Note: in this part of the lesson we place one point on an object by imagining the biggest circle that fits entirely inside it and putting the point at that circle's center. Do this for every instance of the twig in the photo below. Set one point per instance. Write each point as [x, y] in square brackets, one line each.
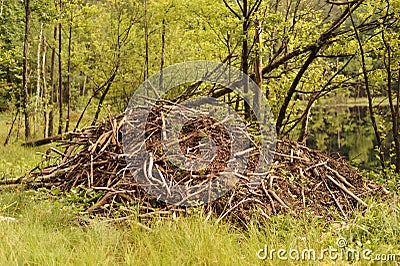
[278, 198]
[334, 198]
[289, 156]
[100, 203]
[269, 197]
[344, 180]
[340, 185]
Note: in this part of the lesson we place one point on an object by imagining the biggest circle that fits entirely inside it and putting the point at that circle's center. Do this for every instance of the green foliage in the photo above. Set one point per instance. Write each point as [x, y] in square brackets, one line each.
[80, 197]
[108, 36]
[11, 38]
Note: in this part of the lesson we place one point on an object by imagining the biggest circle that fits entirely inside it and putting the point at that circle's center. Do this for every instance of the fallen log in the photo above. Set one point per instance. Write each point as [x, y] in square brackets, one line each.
[44, 141]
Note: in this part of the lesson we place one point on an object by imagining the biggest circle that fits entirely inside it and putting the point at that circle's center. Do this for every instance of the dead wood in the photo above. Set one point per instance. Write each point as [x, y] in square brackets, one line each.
[95, 159]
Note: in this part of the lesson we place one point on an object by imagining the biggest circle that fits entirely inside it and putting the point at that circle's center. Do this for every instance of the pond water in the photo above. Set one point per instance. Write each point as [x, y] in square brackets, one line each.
[344, 130]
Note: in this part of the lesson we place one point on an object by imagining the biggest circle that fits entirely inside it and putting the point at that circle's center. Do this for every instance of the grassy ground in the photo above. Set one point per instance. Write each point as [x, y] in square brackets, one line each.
[49, 230]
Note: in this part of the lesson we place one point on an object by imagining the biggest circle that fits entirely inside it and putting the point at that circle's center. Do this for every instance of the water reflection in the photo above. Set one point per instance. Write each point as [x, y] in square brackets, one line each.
[346, 130]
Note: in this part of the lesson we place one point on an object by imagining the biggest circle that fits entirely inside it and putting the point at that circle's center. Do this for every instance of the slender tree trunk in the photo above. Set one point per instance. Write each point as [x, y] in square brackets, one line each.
[45, 93]
[60, 87]
[103, 96]
[87, 105]
[25, 69]
[146, 39]
[397, 115]
[257, 69]
[69, 77]
[369, 96]
[11, 128]
[161, 83]
[38, 73]
[19, 125]
[247, 10]
[292, 89]
[245, 56]
[83, 90]
[53, 92]
[304, 127]
[1, 8]
[393, 109]
[237, 104]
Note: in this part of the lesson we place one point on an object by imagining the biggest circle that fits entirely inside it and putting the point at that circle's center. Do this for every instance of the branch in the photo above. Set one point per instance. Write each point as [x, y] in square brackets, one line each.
[318, 95]
[240, 5]
[288, 98]
[254, 8]
[233, 11]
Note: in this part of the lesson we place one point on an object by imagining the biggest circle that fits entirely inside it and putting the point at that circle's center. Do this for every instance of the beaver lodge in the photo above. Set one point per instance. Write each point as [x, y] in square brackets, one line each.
[300, 180]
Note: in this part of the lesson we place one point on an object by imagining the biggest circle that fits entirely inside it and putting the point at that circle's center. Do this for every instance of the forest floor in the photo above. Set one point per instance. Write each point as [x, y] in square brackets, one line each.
[49, 228]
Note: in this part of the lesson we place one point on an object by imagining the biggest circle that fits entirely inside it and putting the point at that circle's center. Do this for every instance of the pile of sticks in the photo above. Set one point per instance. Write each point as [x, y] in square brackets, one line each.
[300, 180]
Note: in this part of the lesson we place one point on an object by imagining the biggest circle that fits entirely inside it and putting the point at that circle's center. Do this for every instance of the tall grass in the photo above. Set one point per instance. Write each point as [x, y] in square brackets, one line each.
[49, 232]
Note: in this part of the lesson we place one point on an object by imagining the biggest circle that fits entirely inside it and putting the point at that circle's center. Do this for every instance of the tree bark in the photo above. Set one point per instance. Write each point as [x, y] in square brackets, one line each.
[292, 89]
[245, 57]
[394, 110]
[83, 90]
[60, 87]
[38, 74]
[146, 39]
[304, 127]
[11, 128]
[69, 77]
[44, 141]
[25, 69]
[1, 8]
[45, 96]
[103, 96]
[161, 82]
[257, 69]
[53, 92]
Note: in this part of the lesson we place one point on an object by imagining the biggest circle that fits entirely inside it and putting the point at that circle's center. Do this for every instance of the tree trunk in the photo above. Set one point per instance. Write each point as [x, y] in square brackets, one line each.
[60, 88]
[11, 128]
[245, 57]
[292, 89]
[45, 96]
[1, 8]
[103, 96]
[304, 127]
[83, 90]
[397, 115]
[69, 77]
[161, 83]
[53, 92]
[146, 38]
[25, 69]
[369, 96]
[38, 73]
[257, 69]
[394, 109]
